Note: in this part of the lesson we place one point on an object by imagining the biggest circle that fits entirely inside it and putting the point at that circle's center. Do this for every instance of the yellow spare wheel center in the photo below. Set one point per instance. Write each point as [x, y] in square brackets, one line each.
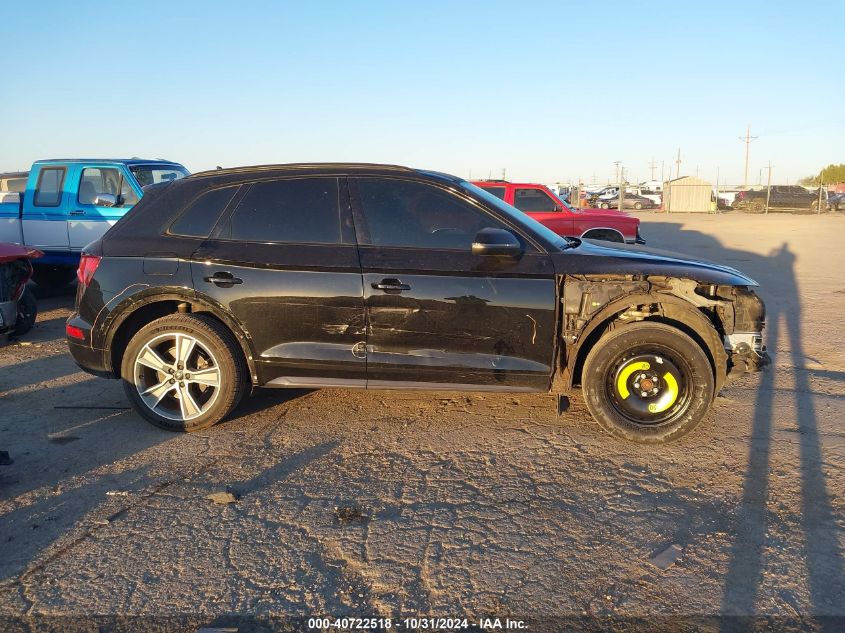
[622, 380]
[669, 396]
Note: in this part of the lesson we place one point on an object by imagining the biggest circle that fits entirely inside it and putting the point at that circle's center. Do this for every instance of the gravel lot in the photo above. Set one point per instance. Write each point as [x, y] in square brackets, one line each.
[398, 504]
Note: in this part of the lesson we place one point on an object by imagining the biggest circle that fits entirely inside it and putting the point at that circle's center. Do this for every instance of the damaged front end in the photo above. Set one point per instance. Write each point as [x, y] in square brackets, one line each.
[743, 331]
[726, 320]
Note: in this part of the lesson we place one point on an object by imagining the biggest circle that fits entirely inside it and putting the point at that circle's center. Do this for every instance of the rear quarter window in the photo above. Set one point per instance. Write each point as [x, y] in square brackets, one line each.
[48, 191]
[200, 216]
[294, 211]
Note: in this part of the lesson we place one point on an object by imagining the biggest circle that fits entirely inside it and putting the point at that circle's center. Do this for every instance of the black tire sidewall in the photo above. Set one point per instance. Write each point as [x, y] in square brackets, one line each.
[608, 349]
[27, 312]
[221, 345]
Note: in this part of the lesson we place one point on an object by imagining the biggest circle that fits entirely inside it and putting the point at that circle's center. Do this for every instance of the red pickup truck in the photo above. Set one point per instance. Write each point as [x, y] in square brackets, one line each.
[540, 203]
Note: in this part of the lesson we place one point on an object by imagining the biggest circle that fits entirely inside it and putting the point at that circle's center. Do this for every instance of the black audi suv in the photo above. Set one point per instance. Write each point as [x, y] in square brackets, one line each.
[385, 277]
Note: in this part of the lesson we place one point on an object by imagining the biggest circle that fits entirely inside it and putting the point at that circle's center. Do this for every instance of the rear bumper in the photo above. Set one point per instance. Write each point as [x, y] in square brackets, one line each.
[88, 357]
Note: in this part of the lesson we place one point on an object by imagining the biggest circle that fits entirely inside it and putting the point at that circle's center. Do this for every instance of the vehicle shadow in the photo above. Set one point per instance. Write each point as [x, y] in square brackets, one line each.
[821, 549]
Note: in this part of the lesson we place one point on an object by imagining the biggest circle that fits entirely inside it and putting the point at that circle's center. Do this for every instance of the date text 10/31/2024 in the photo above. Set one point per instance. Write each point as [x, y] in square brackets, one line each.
[416, 623]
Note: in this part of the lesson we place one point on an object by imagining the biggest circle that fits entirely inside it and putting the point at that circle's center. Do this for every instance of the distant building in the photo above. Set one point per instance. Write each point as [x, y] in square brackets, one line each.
[687, 194]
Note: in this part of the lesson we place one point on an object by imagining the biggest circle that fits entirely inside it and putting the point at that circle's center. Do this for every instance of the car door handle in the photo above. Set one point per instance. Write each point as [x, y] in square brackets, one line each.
[223, 279]
[390, 285]
[77, 212]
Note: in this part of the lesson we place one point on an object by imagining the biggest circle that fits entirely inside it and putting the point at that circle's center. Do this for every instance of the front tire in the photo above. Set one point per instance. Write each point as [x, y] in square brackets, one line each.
[648, 382]
[638, 205]
[184, 372]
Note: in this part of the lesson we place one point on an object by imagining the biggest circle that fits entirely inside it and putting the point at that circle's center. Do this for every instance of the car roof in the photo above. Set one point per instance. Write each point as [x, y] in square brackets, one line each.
[126, 161]
[339, 169]
[507, 183]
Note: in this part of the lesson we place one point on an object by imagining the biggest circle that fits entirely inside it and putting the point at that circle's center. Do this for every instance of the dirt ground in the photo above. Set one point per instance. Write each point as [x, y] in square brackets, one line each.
[392, 504]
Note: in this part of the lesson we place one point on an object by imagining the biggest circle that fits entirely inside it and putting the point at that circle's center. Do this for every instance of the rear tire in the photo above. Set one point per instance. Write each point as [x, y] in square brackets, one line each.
[157, 376]
[27, 312]
[648, 382]
[638, 205]
[757, 207]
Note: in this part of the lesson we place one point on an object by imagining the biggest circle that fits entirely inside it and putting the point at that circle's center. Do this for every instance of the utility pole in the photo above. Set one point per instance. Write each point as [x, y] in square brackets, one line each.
[503, 174]
[617, 163]
[747, 139]
[662, 172]
[769, 188]
[717, 190]
[819, 205]
[678, 163]
[652, 165]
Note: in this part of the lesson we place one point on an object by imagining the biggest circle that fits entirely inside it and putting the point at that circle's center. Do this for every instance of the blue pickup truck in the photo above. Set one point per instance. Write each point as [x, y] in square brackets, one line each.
[69, 203]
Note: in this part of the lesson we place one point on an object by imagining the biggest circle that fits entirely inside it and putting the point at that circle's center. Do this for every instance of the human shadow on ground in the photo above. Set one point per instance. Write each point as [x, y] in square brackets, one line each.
[822, 553]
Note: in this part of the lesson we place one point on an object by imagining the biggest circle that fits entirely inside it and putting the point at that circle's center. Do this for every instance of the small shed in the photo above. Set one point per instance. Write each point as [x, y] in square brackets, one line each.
[687, 194]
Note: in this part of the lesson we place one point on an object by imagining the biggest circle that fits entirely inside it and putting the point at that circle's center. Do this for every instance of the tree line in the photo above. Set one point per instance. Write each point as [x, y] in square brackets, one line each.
[830, 175]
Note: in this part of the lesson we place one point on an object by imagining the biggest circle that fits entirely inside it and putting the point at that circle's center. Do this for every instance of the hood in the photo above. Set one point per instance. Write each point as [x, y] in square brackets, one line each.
[593, 257]
[10, 252]
[616, 214]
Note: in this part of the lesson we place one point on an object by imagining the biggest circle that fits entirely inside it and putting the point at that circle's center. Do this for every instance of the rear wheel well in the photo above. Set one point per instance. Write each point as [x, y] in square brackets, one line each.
[615, 321]
[150, 312]
[609, 235]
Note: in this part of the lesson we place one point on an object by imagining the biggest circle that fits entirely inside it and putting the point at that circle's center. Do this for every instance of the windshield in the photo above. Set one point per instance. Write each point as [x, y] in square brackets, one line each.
[517, 216]
[153, 174]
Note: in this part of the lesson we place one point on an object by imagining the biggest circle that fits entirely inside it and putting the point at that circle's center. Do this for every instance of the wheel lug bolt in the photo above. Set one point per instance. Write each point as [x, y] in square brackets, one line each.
[172, 382]
[187, 376]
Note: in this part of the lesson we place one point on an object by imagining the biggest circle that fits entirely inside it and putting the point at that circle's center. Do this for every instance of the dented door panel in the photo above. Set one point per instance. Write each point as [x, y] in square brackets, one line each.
[459, 320]
[302, 305]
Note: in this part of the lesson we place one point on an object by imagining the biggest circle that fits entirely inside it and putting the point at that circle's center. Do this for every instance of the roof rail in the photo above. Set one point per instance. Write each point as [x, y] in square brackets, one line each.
[293, 166]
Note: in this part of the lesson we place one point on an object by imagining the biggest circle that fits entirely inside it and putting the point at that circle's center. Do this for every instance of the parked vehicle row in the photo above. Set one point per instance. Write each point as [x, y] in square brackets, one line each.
[779, 197]
[68, 203]
[384, 277]
[630, 201]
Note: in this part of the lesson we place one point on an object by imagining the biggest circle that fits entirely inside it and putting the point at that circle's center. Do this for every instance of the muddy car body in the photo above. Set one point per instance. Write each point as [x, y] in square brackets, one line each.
[382, 277]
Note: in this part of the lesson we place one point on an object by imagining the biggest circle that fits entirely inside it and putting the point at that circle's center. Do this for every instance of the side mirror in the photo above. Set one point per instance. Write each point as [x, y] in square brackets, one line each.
[105, 200]
[497, 242]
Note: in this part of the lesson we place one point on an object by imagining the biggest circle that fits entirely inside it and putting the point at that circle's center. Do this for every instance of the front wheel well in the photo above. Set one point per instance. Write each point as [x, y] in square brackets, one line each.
[152, 311]
[609, 235]
[615, 321]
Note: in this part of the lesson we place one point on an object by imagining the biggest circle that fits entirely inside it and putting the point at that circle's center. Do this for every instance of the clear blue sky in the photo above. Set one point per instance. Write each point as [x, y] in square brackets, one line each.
[547, 90]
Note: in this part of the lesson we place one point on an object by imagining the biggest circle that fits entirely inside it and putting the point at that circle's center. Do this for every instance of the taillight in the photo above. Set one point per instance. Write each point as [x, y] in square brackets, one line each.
[87, 267]
[74, 332]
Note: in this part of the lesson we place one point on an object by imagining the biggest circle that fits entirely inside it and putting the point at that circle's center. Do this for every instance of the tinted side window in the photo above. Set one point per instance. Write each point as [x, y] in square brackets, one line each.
[199, 217]
[499, 192]
[412, 214]
[299, 211]
[533, 200]
[48, 192]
